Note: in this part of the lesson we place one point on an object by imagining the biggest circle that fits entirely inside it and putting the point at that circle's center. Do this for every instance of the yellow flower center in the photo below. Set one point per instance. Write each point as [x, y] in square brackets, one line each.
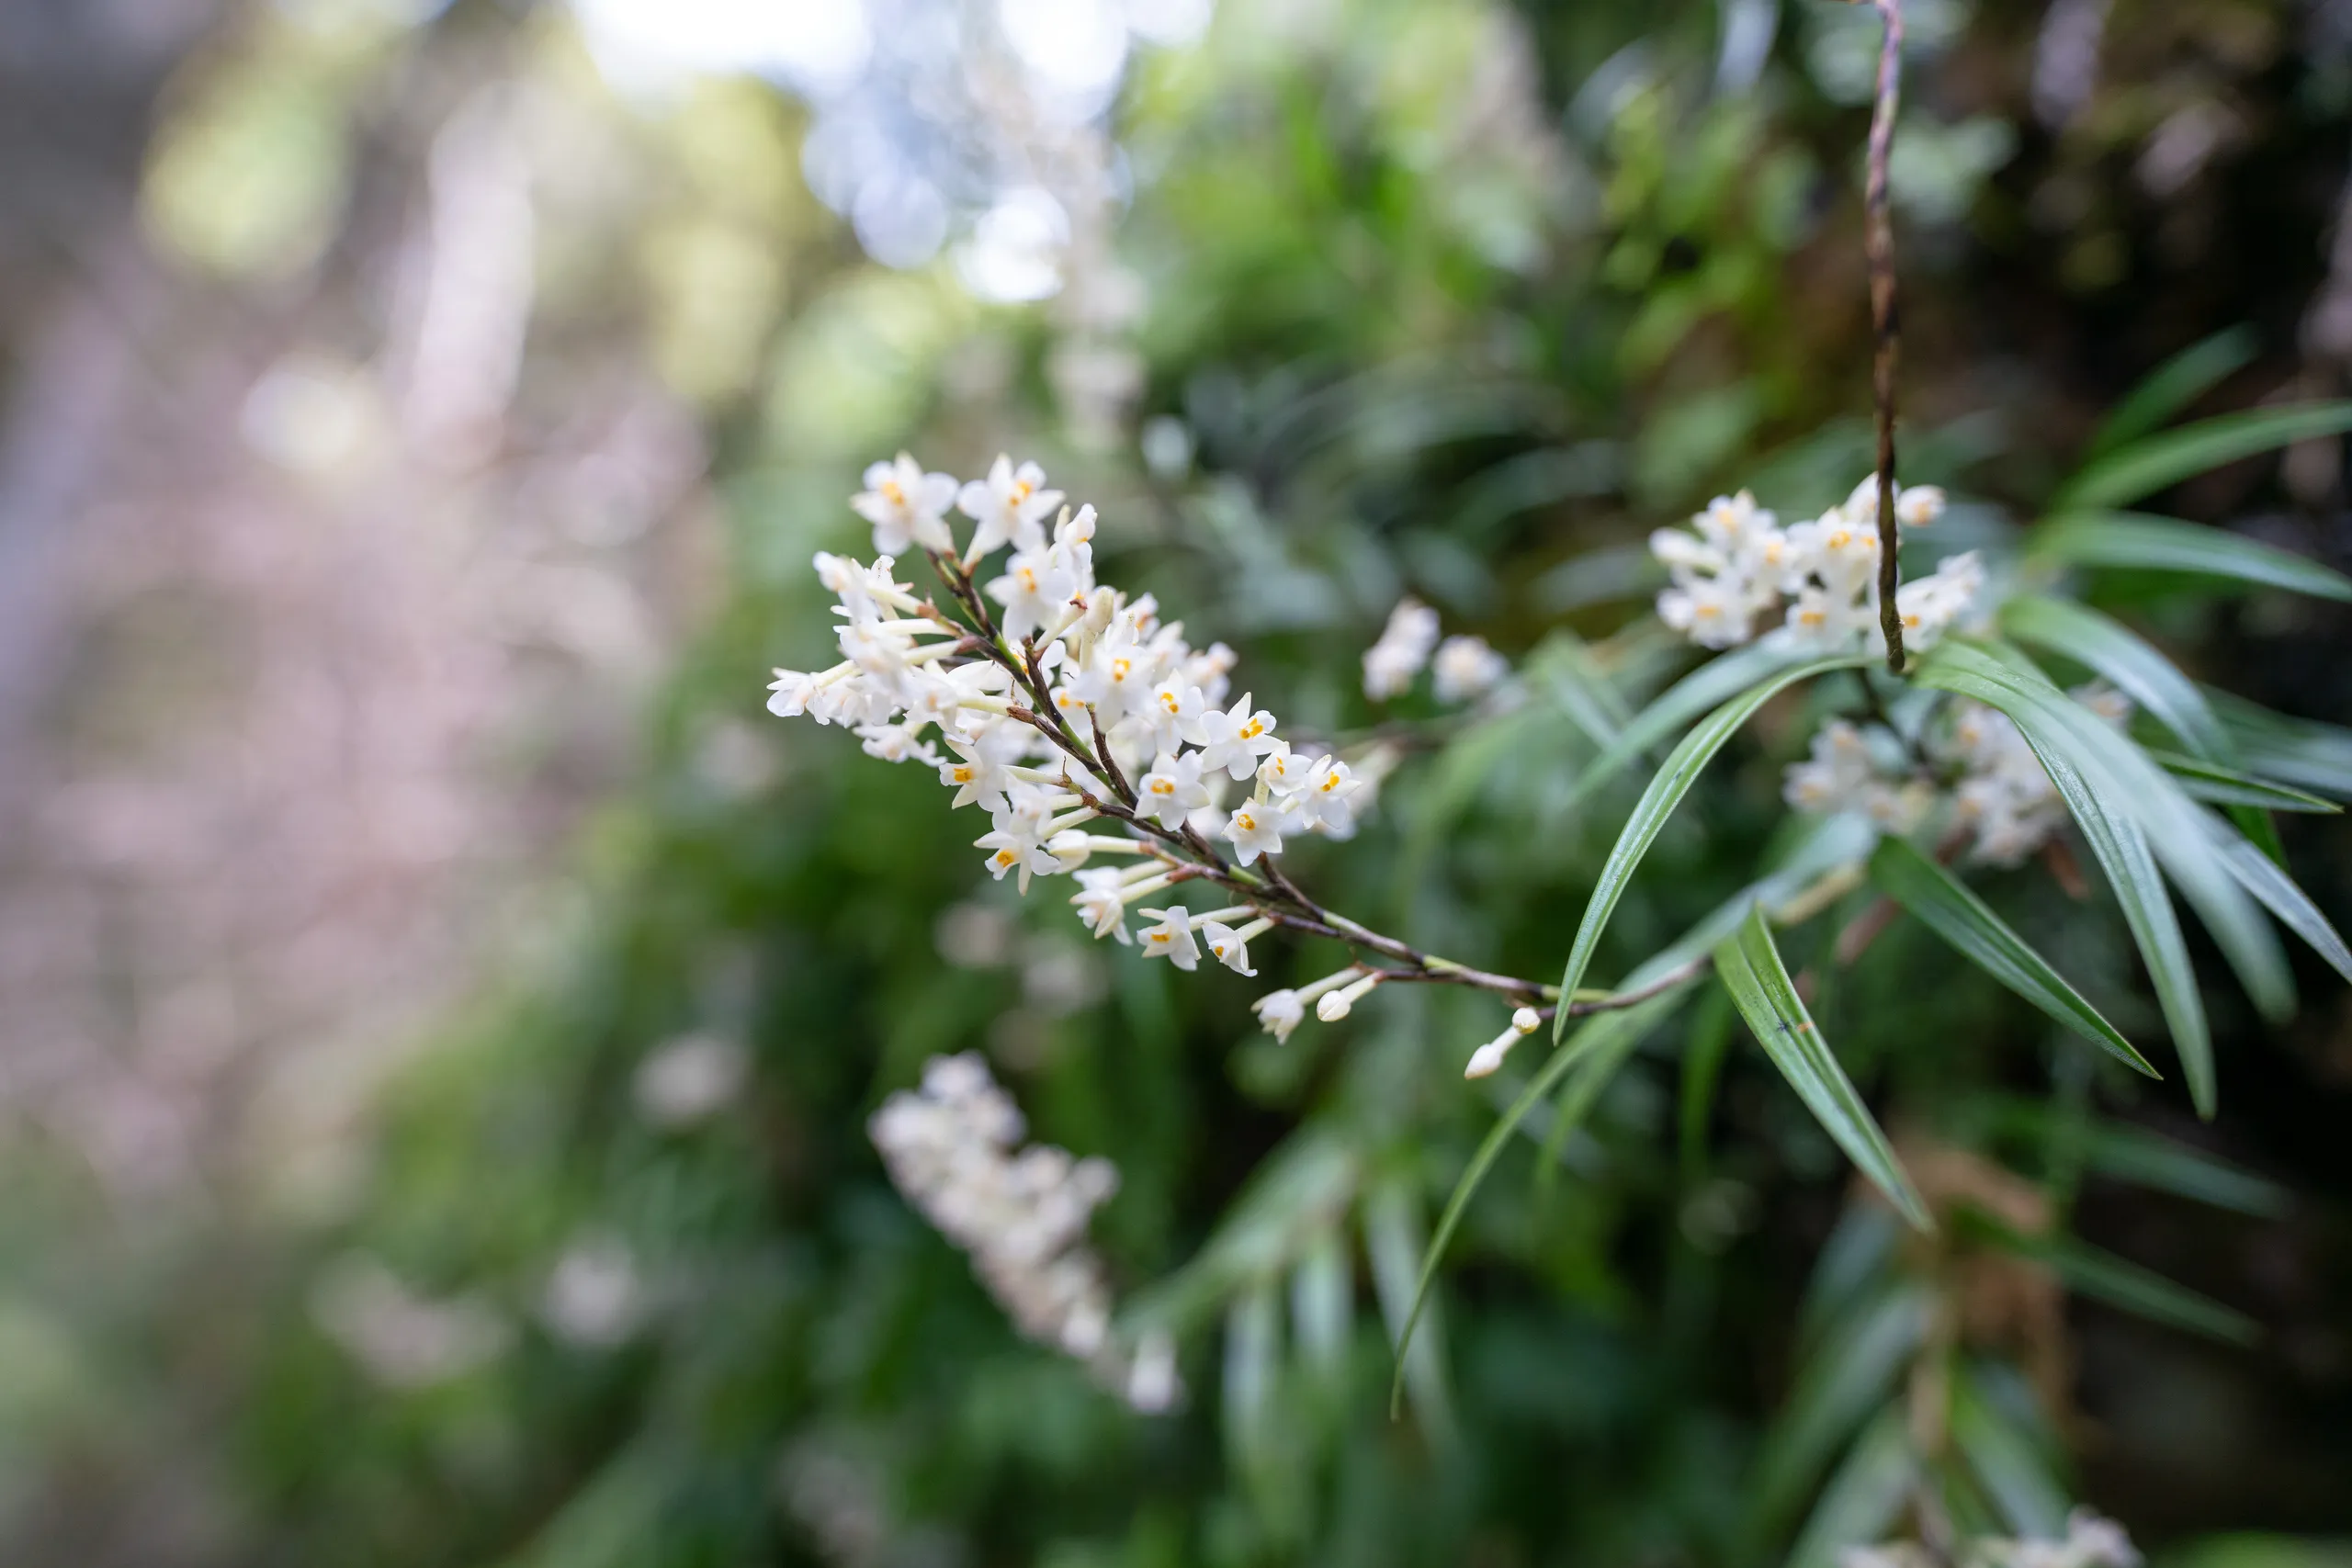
[892, 493]
[962, 775]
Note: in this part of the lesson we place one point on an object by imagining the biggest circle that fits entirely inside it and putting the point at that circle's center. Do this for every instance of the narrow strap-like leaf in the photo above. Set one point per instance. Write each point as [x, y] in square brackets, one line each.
[1667, 788]
[1944, 905]
[2278, 892]
[1863, 1497]
[2115, 839]
[2300, 751]
[2166, 544]
[1750, 965]
[1840, 1384]
[2172, 387]
[2211, 782]
[2157, 462]
[2109, 648]
[2015, 1470]
[1712, 683]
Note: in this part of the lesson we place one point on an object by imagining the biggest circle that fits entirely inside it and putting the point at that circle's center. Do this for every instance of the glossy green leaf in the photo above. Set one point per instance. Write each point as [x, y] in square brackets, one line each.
[2175, 827]
[2172, 387]
[2126, 1153]
[2158, 462]
[1749, 966]
[1393, 1241]
[2278, 893]
[1945, 905]
[2201, 780]
[1671, 783]
[1598, 1034]
[1715, 681]
[2300, 751]
[2166, 544]
[2131, 665]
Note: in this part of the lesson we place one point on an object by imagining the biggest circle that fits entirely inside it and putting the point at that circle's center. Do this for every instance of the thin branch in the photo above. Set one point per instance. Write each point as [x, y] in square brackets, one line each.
[1885, 331]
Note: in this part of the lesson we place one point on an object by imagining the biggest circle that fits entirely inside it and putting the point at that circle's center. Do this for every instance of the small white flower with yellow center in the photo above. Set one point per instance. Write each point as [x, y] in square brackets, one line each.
[1034, 591]
[906, 506]
[1173, 788]
[1255, 829]
[1235, 740]
[790, 692]
[1918, 506]
[1323, 796]
[1010, 505]
[1231, 946]
[1172, 715]
[1173, 938]
[1712, 612]
[975, 775]
[1284, 773]
[1490, 1056]
[1390, 664]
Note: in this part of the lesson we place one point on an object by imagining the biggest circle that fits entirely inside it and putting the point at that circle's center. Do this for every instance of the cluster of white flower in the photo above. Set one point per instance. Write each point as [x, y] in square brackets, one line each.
[952, 1147]
[1998, 793]
[1740, 567]
[1465, 667]
[1113, 668]
[2091, 1541]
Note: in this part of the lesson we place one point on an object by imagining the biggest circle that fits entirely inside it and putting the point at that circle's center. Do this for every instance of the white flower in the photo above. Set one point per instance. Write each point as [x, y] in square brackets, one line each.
[1254, 829]
[906, 506]
[1034, 591]
[689, 1079]
[1233, 741]
[1833, 778]
[1173, 938]
[791, 690]
[1103, 902]
[1390, 664]
[1467, 668]
[1918, 506]
[1323, 796]
[1173, 788]
[1010, 505]
[975, 775]
[1282, 773]
[1172, 715]
[1825, 623]
[1231, 947]
[1490, 1056]
[1928, 605]
[1713, 612]
[1280, 1012]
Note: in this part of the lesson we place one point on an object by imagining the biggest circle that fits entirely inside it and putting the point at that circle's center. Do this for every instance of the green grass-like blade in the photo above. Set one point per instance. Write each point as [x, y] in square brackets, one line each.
[1750, 965]
[1599, 1033]
[1944, 905]
[2014, 1469]
[2107, 647]
[2175, 827]
[2278, 892]
[1842, 1382]
[1715, 681]
[1863, 1498]
[2166, 544]
[1667, 788]
[2201, 780]
[2157, 462]
[2172, 387]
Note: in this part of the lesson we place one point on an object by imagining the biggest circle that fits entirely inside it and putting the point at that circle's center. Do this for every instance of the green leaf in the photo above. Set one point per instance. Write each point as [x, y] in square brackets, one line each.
[2107, 647]
[2175, 827]
[1946, 905]
[1715, 681]
[1863, 1499]
[2278, 892]
[1392, 1235]
[1672, 781]
[2211, 782]
[2299, 751]
[2158, 462]
[1599, 1033]
[2172, 387]
[1703, 1059]
[1297, 1194]
[2135, 1155]
[1850, 1376]
[2103, 1277]
[1750, 965]
[1583, 1088]
[2015, 1469]
[1563, 670]
[2166, 544]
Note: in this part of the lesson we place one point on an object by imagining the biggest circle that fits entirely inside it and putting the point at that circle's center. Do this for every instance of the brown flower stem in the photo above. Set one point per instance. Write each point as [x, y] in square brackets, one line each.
[1886, 330]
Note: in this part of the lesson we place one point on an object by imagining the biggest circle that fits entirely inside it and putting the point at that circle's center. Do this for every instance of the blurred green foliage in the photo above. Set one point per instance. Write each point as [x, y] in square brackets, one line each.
[1441, 296]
